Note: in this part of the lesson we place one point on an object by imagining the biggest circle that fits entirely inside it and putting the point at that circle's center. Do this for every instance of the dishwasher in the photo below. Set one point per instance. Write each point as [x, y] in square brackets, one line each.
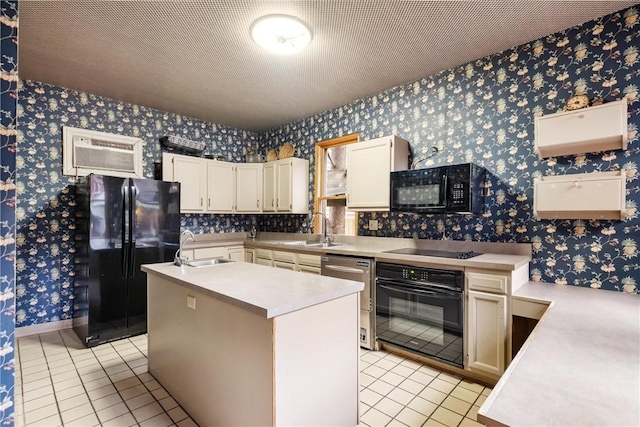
[360, 270]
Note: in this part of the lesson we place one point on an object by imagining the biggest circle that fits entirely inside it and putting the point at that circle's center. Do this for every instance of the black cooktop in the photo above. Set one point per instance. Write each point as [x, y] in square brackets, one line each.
[435, 253]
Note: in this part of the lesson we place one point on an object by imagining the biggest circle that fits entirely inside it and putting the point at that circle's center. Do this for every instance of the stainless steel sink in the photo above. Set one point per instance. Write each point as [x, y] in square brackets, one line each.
[311, 244]
[207, 262]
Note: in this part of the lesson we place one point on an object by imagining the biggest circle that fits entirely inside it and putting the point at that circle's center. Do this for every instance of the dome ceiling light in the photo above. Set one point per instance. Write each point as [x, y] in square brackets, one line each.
[280, 34]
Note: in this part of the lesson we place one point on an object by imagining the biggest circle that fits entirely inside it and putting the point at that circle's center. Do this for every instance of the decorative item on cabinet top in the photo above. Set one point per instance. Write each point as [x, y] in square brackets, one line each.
[182, 144]
[598, 128]
[286, 150]
[597, 195]
[272, 156]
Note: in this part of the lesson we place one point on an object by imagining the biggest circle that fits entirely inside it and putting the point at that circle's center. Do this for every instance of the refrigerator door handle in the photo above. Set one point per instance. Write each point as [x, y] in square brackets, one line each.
[132, 224]
[123, 231]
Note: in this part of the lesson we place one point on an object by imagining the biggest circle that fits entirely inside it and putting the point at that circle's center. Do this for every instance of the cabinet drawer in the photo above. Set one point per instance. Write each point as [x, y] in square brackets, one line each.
[210, 252]
[262, 261]
[592, 129]
[310, 260]
[528, 309]
[284, 265]
[487, 282]
[599, 195]
[309, 269]
[263, 253]
[284, 256]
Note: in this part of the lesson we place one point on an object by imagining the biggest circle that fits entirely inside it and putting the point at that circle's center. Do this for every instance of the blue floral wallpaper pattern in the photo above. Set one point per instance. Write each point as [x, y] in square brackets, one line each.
[481, 112]
[45, 208]
[484, 112]
[8, 102]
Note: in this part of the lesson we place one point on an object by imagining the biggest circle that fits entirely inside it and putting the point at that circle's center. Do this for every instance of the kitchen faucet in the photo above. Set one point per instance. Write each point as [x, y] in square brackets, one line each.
[178, 259]
[326, 237]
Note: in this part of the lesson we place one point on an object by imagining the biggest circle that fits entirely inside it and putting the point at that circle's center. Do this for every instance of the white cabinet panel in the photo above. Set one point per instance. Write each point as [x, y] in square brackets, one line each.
[487, 282]
[487, 333]
[369, 164]
[599, 195]
[189, 172]
[249, 188]
[236, 253]
[221, 186]
[598, 128]
[286, 186]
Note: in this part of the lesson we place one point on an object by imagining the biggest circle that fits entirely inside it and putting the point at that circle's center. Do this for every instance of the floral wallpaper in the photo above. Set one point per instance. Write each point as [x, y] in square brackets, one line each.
[484, 112]
[45, 208]
[8, 92]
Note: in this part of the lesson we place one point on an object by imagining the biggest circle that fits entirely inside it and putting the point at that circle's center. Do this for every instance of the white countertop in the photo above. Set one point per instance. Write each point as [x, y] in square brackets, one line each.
[579, 367]
[265, 291]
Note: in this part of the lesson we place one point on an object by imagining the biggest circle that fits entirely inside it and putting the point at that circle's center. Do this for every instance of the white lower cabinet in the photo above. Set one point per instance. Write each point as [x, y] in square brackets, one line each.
[487, 333]
[288, 260]
[236, 253]
[250, 255]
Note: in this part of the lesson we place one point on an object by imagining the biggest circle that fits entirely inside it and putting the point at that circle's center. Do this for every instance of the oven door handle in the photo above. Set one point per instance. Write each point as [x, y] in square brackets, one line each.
[420, 292]
[440, 288]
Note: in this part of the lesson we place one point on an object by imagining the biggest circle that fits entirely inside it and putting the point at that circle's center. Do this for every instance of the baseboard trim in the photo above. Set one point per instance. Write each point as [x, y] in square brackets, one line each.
[42, 328]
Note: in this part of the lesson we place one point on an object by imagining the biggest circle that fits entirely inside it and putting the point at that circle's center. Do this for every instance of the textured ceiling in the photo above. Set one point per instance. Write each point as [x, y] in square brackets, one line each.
[196, 58]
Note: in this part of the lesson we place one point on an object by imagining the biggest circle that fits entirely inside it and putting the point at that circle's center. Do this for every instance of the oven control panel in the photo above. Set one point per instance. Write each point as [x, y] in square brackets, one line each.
[449, 278]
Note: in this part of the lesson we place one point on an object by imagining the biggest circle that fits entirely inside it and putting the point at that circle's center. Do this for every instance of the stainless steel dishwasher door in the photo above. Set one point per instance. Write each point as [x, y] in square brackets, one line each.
[360, 270]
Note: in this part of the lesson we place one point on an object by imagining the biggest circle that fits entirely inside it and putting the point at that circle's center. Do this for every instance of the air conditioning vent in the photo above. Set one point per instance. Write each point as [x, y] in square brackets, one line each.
[88, 152]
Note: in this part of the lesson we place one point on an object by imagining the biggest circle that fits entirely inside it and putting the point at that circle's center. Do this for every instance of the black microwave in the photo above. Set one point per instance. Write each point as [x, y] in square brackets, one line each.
[445, 189]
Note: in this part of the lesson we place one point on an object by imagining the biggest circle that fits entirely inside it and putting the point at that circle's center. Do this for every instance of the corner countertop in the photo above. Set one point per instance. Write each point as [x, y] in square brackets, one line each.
[579, 367]
[265, 291]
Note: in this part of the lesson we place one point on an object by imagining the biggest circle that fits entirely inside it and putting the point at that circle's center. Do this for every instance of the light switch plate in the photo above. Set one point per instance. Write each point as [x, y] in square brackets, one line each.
[191, 302]
[373, 224]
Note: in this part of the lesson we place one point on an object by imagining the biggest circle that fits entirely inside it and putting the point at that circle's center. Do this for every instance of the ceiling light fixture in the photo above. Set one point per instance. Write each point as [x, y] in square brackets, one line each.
[281, 34]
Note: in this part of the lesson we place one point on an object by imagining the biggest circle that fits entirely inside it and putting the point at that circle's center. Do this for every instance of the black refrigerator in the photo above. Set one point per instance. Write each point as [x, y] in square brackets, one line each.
[121, 223]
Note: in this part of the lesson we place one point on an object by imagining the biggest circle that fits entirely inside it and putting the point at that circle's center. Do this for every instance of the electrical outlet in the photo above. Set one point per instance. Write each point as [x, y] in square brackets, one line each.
[191, 302]
[373, 224]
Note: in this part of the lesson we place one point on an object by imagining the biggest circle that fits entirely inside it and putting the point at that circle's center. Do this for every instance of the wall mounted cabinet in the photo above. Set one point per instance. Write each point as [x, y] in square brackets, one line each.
[599, 128]
[370, 164]
[286, 186]
[599, 195]
[212, 186]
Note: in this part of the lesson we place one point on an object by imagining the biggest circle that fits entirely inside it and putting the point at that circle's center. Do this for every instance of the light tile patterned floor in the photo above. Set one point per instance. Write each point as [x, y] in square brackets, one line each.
[59, 382]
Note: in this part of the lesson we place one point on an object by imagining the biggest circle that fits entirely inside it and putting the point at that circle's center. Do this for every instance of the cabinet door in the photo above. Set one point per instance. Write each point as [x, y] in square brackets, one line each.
[269, 193]
[284, 265]
[308, 269]
[369, 165]
[190, 172]
[487, 332]
[221, 187]
[249, 255]
[249, 187]
[283, 186]
[263, 261]
[236, 254]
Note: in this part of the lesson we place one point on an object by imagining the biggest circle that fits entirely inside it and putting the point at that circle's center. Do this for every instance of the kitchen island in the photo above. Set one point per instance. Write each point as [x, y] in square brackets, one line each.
[244, 344]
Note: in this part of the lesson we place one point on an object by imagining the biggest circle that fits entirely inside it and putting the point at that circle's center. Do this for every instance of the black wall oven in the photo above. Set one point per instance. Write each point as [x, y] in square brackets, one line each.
[421, 310]
[444, 189]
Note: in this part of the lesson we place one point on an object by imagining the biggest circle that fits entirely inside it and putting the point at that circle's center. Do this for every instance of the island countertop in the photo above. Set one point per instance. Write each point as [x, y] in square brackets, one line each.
[265, 291]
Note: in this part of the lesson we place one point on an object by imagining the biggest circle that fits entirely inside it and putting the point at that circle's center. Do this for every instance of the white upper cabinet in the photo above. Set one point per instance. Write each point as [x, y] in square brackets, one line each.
[249, 187]
[189, 172]
[369, 164]
[598, 195]
[599, 128]
[221, 187]
[286, 186]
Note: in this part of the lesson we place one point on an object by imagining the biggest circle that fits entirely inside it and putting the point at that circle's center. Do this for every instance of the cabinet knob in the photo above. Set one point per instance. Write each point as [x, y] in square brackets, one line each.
[277, 203]
[209, 202]
[200, 201]
[257, 203]
[581, 116]
[576, 184]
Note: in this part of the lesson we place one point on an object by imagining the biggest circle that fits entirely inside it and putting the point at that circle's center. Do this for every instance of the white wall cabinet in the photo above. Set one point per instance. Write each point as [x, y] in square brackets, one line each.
[212, 186]
[221, 187]
[598, 195]
[189, 172]
[599, 128]
[487, 330]
[248, 191]
[286, 186]
[369, 164]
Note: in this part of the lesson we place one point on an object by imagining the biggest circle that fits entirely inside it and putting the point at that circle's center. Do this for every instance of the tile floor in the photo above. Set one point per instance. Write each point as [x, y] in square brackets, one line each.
[59, 382]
